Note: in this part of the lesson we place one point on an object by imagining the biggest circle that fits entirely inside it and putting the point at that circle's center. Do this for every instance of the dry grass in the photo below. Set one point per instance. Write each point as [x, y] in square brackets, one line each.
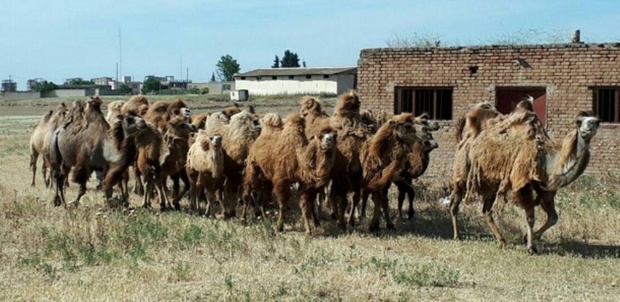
[88, 253]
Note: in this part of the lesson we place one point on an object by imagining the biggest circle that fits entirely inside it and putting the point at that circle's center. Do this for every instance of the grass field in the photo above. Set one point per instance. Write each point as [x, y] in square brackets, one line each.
[88, 253]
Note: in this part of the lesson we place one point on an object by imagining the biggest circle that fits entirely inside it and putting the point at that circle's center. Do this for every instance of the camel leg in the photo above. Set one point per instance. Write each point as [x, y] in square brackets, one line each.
[138, 187]
[59, 197]
[488, 216]
[33, 165]
[282, 192]
[455, 201]
[411, 196]
[531, 218]
[179, 195]
[548, 205]
[355, 200]
[146, 201]
[306, 199]
[365, 196]
[401, 198]
[385, 208]
[81, 192]
[44, 170]
[376, 213]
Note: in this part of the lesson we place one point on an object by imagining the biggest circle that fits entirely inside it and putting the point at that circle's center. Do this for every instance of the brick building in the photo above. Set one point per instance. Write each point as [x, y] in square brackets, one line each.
[445, 82]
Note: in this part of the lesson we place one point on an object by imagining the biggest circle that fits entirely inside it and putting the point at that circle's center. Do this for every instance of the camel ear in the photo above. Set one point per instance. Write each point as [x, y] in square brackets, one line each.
[392, 123]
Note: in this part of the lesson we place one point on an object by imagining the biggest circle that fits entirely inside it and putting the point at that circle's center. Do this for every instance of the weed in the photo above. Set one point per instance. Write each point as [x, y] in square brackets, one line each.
[429, 275]
[182, 271]
[192, 236]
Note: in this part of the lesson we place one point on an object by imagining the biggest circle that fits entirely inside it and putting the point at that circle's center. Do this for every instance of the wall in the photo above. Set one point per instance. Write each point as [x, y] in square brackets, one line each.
[567, 71]
[215, 87]
[266, 86]
[67, 93]
[21, 96]
[346, 82]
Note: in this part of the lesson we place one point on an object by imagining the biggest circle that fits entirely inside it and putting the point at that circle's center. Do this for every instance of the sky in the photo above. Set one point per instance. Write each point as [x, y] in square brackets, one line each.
[60, 39]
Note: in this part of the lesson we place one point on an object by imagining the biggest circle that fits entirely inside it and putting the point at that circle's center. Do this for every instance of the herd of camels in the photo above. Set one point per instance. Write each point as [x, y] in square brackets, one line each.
[236, 158]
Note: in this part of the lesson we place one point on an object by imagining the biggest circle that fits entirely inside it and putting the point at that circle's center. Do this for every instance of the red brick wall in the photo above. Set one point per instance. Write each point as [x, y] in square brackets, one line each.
[568, 72]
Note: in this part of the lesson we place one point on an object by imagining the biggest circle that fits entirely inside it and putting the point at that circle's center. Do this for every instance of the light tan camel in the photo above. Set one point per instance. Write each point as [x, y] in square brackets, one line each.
[40, 141]
[205, 168]
[521, 159]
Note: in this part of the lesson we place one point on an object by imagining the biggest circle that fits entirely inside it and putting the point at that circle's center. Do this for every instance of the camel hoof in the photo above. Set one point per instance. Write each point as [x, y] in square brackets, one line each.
[532, 250]
[390, 226]
[502, 245]
[373, 227]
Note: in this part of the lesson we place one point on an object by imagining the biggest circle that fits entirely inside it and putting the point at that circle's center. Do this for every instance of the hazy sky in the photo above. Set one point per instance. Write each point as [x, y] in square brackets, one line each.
[58, 39]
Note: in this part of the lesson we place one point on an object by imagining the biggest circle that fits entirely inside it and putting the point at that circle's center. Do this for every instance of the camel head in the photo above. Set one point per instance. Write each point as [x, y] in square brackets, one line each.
[132, 124]
[231, 110]
[245, 120]
[402, 127]
[178, 108]
[95, 102]
[327, 135]
[587, 125]
[143, 109]
[425, 121]
[61, 111]
[179, 128]
[311, 106]
[207, 142]
[426, 137]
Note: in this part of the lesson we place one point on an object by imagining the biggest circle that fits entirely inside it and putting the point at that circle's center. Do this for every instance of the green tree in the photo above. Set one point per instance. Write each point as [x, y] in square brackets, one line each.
[125, 89]
[290, 59]
[46, 86]
[227, 67]
[276, 62]
[80, 81]
[212, 77]
[151, 84]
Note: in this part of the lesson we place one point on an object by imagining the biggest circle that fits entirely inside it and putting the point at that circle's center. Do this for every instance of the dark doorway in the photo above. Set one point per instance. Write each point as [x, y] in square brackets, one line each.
[507, 98]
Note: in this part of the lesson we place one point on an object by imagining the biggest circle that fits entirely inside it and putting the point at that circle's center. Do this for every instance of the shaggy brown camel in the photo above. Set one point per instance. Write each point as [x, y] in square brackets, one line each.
[347, 171]
[417, 162]
[86, 144]
[521, 160]
[137, 104]
[154, 151]
[124, 133]
[177, 142]
[40, 141]
[238, 135]
[205, 168]
[284, 157]
[384, 157]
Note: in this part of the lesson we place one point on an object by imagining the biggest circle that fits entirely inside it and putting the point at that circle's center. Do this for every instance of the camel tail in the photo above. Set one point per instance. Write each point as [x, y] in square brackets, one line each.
[55, 155]
[459, 126]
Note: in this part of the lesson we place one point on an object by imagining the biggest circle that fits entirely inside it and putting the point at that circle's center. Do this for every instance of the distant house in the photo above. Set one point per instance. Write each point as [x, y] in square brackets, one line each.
[214, 87]
[297, 80]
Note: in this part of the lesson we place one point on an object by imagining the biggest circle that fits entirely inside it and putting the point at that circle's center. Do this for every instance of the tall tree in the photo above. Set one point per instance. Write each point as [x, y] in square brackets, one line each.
[276, 62]
[290, 59]
[213, 77]
[227, 67]
[151, 84]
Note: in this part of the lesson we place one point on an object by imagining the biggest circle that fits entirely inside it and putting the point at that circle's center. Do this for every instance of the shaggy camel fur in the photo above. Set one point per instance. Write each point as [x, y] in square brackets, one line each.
[384, 157]
[40, 141]
[161, 112]
[155, 151]
[85, 144]
[521, 160]
[137, 104]
[205, 167]
[284, 157]
[199, 120]
[316, 117]
[114, 111]
[238, 135]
